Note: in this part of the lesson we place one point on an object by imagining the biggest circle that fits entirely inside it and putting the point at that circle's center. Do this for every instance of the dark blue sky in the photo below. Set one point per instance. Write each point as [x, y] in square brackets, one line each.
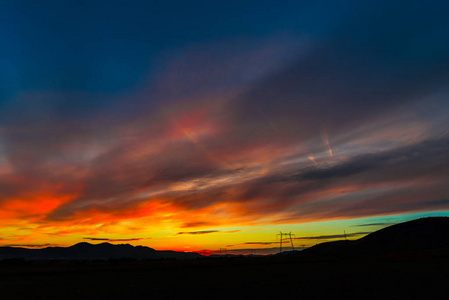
[111, 46]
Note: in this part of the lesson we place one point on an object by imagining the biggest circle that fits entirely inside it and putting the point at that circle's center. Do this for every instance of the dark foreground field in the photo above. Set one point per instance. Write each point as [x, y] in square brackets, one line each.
[226, 278]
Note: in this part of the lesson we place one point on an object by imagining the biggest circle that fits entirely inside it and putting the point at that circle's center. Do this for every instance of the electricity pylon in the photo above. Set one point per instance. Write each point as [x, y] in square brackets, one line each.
[282, 234]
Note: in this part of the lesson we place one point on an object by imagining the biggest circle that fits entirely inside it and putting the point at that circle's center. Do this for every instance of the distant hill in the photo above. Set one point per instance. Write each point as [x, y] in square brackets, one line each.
[91, 252]
[421, 235]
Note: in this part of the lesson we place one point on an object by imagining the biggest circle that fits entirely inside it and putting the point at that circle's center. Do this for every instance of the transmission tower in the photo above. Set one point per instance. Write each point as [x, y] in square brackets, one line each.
[287, 236]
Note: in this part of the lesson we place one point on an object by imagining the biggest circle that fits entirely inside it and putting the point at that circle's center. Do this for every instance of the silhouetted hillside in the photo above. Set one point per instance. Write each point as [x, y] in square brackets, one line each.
[421, 235]
[90, 251]
[426, 235]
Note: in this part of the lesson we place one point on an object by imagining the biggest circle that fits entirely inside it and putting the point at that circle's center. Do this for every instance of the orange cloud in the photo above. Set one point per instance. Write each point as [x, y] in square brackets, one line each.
[33, 208]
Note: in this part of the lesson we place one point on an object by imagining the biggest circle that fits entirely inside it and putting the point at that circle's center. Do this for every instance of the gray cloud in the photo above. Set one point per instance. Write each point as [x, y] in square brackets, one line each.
[198, 232]
[428, 157]
[31, 245]
[373, 64]
[332, 236]
[426, 161]
[112, 240]
[260, 243]
[206, 232]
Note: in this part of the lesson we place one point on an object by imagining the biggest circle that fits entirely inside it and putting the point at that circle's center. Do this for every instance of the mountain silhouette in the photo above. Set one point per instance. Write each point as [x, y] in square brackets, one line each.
[420, 235]
[93, 251]
[425, 235]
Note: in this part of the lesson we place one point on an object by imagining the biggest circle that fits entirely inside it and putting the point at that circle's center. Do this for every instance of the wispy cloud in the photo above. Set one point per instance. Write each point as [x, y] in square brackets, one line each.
[31, 245]
[261, 243]
[207, 232]
[332, 236]
[113, 240]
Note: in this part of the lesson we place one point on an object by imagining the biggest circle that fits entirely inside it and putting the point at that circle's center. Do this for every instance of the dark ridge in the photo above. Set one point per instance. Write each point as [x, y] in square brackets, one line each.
[425, 235]
[88, 251]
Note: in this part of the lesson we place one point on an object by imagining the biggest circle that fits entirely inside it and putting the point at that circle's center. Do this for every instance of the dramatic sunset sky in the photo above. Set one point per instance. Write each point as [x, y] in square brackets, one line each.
[192, 125]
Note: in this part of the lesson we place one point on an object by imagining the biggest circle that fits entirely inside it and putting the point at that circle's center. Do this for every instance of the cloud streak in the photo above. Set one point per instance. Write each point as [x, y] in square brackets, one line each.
[332, 236]
[206, 232]
[113, 240]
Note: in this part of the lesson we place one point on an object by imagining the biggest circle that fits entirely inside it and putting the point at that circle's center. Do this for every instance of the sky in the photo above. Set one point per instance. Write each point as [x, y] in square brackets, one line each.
[207, 125]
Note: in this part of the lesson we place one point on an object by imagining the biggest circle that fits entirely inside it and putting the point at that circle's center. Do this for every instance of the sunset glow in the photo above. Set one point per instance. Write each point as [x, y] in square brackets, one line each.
[207, 126]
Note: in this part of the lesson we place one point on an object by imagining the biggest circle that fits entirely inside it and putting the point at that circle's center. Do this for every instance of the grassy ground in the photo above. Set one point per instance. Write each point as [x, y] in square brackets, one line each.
[232, 278]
